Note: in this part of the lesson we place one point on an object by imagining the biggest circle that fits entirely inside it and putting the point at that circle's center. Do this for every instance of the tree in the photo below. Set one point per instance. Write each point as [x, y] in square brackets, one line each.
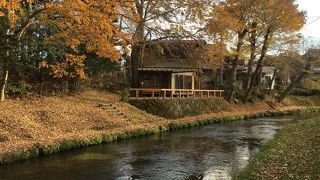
[231, 20]
[257, 25]
[159, 19]
[275, 21]
[74, 26]
[311, 59]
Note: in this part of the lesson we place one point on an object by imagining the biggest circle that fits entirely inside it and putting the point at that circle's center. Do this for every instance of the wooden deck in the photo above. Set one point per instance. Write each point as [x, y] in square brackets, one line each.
[142, 93]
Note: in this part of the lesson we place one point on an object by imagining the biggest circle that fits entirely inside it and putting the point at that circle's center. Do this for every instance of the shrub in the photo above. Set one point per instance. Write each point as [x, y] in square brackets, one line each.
[280, 88]
[125, 94]
[305, 92]
[20, 90]
[178, 108]
[260, 95]
[239, 93]
[311, 84]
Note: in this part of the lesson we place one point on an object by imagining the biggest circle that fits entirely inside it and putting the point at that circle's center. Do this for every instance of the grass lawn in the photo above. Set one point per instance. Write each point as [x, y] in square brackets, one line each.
[294, 153]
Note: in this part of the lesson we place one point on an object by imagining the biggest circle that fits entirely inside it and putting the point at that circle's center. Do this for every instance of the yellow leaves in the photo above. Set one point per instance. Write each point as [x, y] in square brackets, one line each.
[44, 64]
[229, 17]
[73, 43]
[89, 23]
[284, 15]
[76, 27]
[277, 14]
[273, 19]
[14, 10]
[72, 66]
[75, 60]
[59, 71]
[76, 22]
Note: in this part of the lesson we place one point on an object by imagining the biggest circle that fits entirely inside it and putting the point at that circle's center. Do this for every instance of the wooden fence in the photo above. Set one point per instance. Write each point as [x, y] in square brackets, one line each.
[142, 93]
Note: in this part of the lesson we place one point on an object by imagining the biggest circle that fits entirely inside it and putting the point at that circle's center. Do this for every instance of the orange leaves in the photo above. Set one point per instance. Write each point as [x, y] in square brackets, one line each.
[13, 10]
[232, 16]
[273, 19]
[74, 59]
[72, 66]
[83, 27]
[59, 71]
[90, 23]
[2, 3]
[76, 27]
[277, 14]
[282, 15]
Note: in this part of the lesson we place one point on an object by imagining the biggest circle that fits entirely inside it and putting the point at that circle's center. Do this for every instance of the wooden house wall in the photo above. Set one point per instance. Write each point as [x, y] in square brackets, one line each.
[152, 79]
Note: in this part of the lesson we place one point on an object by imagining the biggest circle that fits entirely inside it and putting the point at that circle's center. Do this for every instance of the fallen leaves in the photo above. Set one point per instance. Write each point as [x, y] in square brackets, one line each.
[293, 154]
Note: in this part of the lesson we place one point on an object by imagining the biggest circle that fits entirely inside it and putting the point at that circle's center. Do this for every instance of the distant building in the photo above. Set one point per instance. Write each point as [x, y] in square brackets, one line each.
[266, 78]
[174, 64]
[170, 65]
[316, 71]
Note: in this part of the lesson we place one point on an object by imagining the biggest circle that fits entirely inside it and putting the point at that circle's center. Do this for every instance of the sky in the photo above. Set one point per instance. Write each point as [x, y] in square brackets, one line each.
[312, 27]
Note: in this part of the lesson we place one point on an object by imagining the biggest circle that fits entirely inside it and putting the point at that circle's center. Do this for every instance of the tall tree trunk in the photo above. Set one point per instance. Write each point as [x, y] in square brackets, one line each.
[292, 85]
[222, 65]
[139, 46]
[5, 69]
[4, 83]
[136, 62]
[253, 36]
[5, 74]
[235, 63]
[258, 69]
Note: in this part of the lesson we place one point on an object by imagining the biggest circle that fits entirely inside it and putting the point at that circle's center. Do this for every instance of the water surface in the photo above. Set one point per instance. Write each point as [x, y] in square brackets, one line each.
[211, 152]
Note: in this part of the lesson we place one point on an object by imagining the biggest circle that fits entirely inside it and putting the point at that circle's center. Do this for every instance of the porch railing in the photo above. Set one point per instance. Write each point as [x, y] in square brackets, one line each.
[143, 93]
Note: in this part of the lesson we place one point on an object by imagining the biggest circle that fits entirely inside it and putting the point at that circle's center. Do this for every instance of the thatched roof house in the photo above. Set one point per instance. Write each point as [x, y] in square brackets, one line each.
[171, 64]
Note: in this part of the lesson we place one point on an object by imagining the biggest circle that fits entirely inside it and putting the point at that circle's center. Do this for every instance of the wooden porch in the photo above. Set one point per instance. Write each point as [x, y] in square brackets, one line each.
[146, 93]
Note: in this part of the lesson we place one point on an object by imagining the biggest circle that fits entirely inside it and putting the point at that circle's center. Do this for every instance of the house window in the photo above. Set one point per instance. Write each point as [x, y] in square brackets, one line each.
[183, 82]
[179, 82]
[187, 82]
[146, 82]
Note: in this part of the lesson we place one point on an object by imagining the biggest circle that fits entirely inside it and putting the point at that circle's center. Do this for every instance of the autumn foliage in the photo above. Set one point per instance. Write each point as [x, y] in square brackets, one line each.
[50, 42]
[252, 28]
[83, 27]
[65, 31]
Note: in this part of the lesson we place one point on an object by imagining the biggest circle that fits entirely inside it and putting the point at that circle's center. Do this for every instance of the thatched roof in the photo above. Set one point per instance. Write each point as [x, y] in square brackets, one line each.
[182, 53]
[177, 48]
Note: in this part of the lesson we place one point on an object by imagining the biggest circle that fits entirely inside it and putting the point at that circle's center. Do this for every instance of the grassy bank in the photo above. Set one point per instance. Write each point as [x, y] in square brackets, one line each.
[179, 108]
[30, 128]
[310, 101]
[292, 154]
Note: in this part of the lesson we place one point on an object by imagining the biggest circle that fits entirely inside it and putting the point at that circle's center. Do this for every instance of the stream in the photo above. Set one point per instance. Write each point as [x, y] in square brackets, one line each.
[216, 151]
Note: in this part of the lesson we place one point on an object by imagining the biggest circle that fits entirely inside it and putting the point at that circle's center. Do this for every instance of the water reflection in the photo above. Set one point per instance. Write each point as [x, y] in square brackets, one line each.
[211, 152]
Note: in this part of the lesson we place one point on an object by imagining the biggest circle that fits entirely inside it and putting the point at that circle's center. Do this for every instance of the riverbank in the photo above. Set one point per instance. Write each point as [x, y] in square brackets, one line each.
[292, 154]
[31, 128]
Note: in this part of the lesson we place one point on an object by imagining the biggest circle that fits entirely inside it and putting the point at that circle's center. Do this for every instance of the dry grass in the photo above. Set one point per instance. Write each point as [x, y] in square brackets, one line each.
[50, 119]
[45, 121]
